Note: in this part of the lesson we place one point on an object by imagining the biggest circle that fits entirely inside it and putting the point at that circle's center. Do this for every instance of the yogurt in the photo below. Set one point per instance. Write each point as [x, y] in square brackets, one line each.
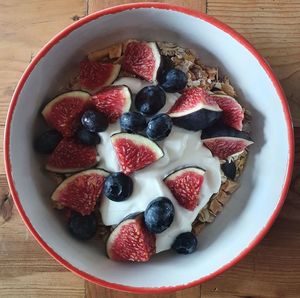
[181, 148]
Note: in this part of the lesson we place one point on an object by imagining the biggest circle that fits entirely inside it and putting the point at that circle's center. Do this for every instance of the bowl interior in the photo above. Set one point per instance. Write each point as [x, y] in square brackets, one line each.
[261, 184]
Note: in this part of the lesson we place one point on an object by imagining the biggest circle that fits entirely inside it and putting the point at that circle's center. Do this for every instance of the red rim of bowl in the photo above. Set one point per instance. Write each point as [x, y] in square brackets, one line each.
[210, 20]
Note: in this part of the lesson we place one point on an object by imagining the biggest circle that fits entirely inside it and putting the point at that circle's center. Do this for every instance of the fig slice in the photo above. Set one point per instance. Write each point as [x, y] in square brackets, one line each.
[131, 241]
[64, 111]
[70, 156]
[142, 59]
[233, 114]
[134, 152]
[113, 101]
[195, 110]
[94, 75]
[224, 141]
[185, 185]
[81, 191]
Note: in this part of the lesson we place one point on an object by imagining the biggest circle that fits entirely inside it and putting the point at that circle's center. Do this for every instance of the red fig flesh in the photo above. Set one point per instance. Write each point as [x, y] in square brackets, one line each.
[134, 152]
[142, 59]
[131, 241]
[113, 101]
[70, 156]
[95, 75]
[64, 112]
[224, 141]
[233, 114]
[185, 185]
[81, 191]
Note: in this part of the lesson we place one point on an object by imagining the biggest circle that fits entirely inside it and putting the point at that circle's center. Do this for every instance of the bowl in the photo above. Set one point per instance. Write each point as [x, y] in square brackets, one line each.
[263, 185]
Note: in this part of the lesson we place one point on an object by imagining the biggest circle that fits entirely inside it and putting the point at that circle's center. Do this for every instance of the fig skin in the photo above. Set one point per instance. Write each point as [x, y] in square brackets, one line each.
[198, 120]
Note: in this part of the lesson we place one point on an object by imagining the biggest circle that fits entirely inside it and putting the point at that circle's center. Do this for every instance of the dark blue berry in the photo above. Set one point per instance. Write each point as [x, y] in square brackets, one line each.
[82, 227]
[87, 137]
[133, 122]
[118, 187]
[159, 215]
[173, 80]
[165, 65]
[159, 127]
[47, 141]
[150, 100]
[94, 121]
[229, 169]
[185, 243]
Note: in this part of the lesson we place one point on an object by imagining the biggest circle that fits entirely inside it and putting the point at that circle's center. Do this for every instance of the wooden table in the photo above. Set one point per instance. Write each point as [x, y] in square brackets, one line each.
[272, 269]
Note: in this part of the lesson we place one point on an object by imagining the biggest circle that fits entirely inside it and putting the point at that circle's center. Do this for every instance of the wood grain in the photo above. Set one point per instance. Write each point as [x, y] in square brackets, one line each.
[272, 269]
[26, 270]
[95, 5]
[25, 27]
[1, 147]
[92, 291]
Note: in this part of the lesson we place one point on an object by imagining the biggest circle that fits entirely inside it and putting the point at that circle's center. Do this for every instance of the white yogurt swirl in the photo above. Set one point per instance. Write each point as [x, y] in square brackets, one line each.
[181, 148]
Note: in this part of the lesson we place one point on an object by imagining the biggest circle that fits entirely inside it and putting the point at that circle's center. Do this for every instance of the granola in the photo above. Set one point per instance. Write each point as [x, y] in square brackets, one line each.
[187, 94]
[200, 75]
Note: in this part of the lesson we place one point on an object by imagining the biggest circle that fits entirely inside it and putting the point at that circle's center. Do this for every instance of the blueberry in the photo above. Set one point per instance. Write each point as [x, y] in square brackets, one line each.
[82, 227]
[159, 127]
[173, 80]
[185, 243]
[150, 100]
[118, 187]
[94, 121]
[87, 137]
[159, 215]
[47, 141]
[229, 169]
[133, 122]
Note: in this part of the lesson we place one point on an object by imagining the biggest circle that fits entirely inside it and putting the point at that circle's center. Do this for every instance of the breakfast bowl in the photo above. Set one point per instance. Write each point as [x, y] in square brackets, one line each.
[263, 185]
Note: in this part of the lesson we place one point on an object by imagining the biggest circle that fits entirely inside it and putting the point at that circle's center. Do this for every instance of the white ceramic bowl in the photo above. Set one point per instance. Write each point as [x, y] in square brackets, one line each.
[264, 184]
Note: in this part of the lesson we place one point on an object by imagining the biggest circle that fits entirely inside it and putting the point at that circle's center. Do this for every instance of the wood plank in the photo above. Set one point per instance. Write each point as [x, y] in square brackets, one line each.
[1, 147]
[94, 291]
[26, 270]
[273, 28]
[95, 5]
[271, 270]
[25, 27]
